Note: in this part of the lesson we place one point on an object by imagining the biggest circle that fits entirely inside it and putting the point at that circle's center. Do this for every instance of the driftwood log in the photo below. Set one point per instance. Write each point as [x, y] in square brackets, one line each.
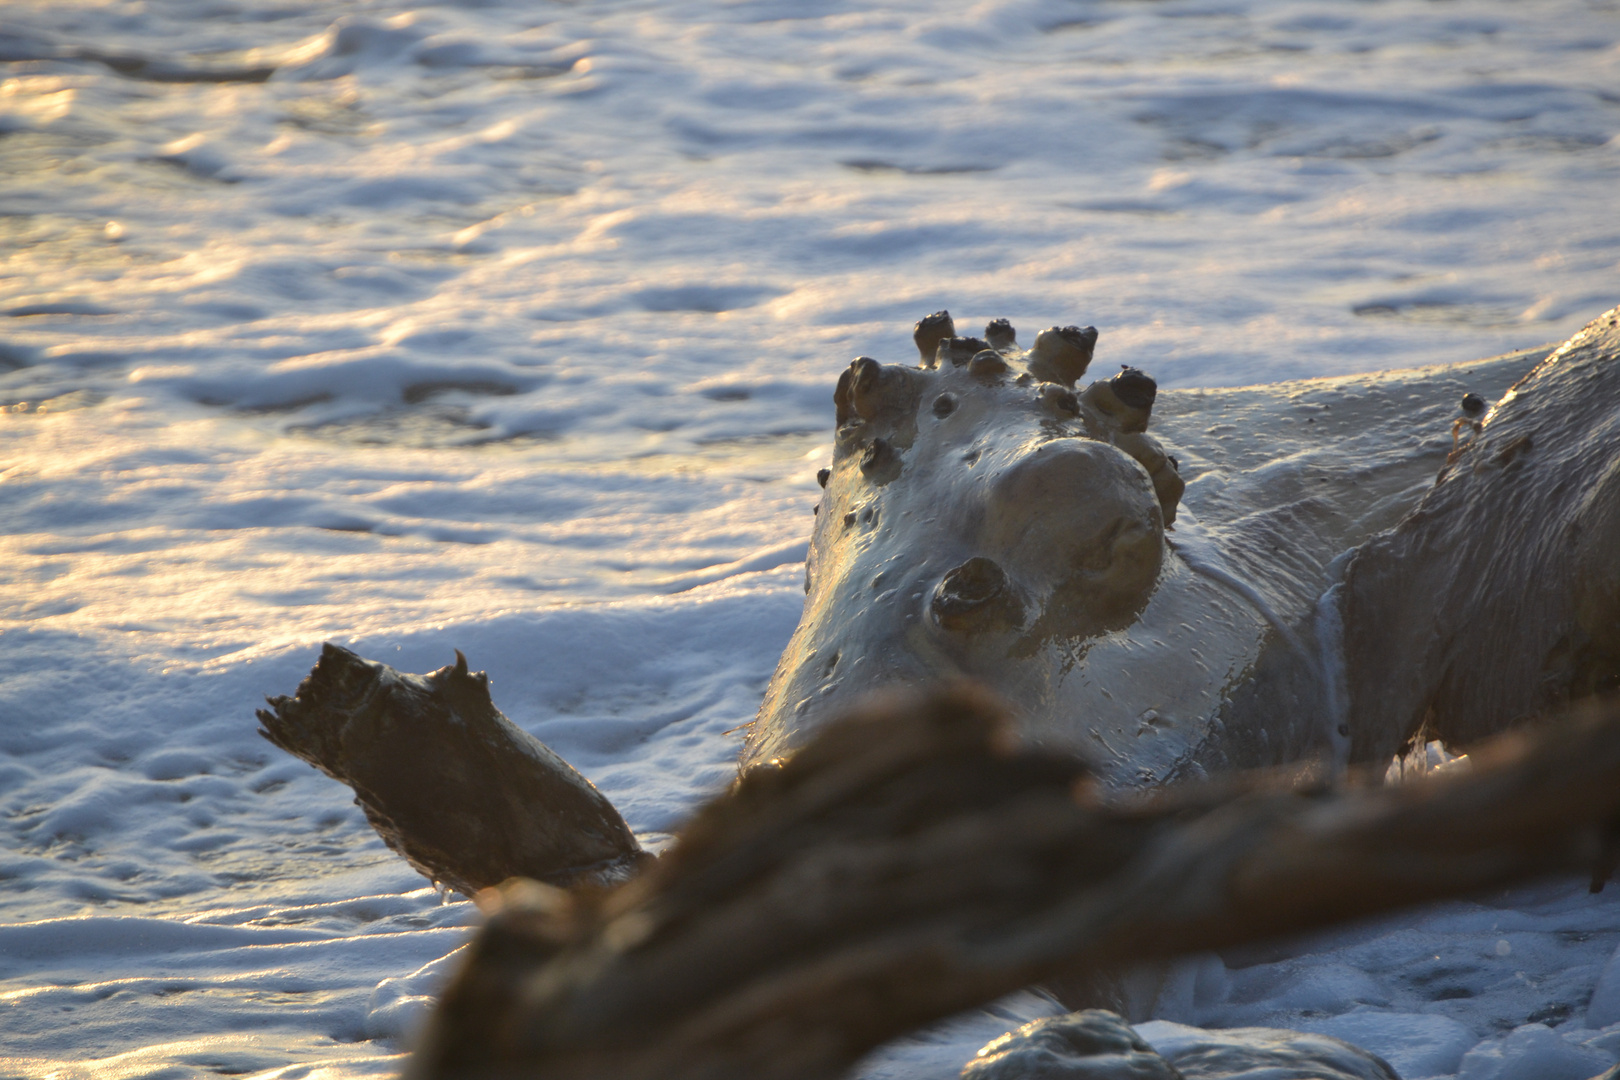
[918, 858]
[1153, 579]
[913, 861]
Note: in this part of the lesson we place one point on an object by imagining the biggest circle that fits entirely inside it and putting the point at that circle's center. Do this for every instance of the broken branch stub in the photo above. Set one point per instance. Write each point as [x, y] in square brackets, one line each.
[465, 795]
[912, 861]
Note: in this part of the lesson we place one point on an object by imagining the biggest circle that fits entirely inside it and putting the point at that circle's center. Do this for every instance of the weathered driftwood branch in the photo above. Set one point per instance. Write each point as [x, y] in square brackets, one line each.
[912, 861]
[466, 796]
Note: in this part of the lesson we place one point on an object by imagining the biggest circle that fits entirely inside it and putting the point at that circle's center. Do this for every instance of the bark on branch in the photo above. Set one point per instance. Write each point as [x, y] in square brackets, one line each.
[913, 861]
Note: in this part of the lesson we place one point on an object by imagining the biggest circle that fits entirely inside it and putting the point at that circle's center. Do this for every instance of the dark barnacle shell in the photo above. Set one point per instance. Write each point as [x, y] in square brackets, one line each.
[929, 332]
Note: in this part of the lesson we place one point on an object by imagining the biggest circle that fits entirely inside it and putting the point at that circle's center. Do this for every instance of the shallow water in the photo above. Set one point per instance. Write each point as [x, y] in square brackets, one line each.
[513, 327]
